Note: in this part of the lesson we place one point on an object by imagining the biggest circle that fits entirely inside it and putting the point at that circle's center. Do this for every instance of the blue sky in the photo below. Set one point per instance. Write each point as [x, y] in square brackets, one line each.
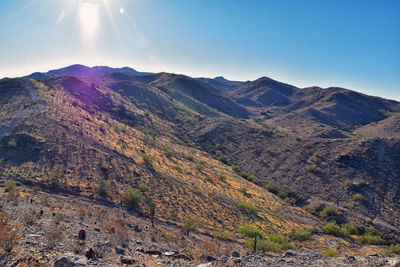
[347, 43]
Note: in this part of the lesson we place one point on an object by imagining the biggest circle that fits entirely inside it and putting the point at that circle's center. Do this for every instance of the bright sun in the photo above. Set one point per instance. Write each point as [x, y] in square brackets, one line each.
[89, 20]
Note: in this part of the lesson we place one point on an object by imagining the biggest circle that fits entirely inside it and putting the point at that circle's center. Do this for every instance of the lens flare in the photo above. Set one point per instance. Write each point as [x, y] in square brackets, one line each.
[89, 20]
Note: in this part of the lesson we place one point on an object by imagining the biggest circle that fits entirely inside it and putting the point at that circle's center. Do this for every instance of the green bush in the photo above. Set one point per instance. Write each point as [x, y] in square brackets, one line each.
[143, 188]
[190, 225]
[347, 182]
[103, 187]
[199, 166]
[148, 159]
[243, 189]
[349, 229]
[236, 168]
[222, 177]
[330, 252]
[301, 235]
[247, 208]
[265, 245]
[331, 228]
[280, 240]
[327, 212]
[10, 185]
[223, 235]
[222, 158]
[358, 197]
[395, 248]
[309, 209]
[251, 232]
[169, 152]
[271, 187]
[132, 197]
[372, 239]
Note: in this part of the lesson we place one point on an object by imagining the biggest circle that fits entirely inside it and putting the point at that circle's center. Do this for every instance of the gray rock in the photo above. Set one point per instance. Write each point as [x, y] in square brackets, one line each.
[64, 262]
[290, 253]
[235, 254]
[120, 251]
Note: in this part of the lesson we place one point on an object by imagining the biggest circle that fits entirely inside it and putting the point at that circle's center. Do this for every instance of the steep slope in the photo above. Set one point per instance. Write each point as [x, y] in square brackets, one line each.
[94, 135]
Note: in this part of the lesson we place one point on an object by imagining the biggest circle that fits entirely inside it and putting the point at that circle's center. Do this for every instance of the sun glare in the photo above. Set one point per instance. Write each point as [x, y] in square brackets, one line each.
[89, 20]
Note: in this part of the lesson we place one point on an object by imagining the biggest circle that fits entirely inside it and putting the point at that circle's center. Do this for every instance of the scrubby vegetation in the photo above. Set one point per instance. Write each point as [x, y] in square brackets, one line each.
[253, 233]
[10, 185]
[346, 229]
[330, 252]
[247, 208]
[132, 197]
[301, 235]
[372, 237]
[328, 211]
[190, 225]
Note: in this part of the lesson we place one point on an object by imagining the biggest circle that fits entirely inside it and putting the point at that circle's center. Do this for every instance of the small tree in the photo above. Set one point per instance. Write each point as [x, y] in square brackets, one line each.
[9, 233]
[132, 197]
[190, 225]
[251, 232]
[10, 185]
[103, 187]
[148, 159]
[271, 187]
[327, 212]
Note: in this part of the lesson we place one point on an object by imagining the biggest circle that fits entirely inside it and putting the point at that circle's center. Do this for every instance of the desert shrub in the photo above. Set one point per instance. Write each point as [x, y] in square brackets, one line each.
[9, 233]
[143, 188]
[330, 252]
[177, 167]
[222, 235]
[281, 240]
[236, 168]
[103, 187]
[332, 228]
[327, 212]
[169, 152]
[301, 235]
[347, 182]
[394, 248]
[189, 157]
[291, 201]
[265, 245]
[10, 185]
[253, 233]
[132, 197]
[243, 189]
[358, 197]
[222, 158]
[287, 192]
[309, 209]
[247, 208]
[190, 225]
[349, 229]
[148, 159]
[271, 187]
[372, 237]
[222, 177]
[247, 176]
[199, 166]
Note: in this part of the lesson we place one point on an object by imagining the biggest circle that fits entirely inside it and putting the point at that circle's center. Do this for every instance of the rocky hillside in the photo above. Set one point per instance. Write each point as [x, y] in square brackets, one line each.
[174, 149]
